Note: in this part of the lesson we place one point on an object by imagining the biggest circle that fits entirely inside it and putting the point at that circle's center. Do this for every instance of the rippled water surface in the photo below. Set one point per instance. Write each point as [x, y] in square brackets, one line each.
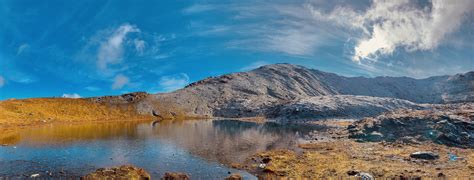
[199, 148]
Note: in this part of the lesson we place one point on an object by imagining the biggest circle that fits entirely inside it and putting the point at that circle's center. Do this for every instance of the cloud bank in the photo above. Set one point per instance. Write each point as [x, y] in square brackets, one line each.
[387, 25]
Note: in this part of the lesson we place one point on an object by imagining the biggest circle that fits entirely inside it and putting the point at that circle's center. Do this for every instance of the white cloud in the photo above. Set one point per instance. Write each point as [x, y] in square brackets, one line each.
[388, 25]
[2, 81]
[120, 81]
[74, 96]
[139, 46]
[173, 82]
[254, 65]
[22, 48]
[111, 50]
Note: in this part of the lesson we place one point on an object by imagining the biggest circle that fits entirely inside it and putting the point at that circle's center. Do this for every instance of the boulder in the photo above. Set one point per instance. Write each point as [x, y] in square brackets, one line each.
[426, 155]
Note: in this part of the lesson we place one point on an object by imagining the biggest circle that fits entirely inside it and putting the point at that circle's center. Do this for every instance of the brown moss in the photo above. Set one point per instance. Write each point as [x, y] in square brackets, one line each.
[122, 172]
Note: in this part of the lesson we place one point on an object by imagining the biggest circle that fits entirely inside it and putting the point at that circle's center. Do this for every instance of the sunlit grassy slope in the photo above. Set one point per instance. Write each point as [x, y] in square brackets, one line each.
[45, 110]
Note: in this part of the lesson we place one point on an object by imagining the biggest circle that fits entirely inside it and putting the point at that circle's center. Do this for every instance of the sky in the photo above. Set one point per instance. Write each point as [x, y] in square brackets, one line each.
[66, 48]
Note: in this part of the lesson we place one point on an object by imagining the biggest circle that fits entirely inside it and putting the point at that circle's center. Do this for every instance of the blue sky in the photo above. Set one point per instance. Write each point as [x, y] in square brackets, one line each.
[92, 48]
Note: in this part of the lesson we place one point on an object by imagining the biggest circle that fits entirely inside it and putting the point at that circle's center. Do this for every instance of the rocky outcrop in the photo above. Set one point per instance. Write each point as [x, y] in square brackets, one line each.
[451, 124]
[122, 172]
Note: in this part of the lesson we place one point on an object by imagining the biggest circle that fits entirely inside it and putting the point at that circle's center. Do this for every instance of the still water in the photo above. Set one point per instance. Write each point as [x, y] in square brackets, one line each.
[198, 148]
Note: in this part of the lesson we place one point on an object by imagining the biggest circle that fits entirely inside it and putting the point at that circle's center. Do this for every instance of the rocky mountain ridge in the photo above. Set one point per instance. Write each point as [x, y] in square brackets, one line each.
[257, 92]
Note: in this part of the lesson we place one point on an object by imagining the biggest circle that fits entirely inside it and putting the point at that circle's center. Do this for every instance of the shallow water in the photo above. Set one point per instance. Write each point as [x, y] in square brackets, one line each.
[199, 148]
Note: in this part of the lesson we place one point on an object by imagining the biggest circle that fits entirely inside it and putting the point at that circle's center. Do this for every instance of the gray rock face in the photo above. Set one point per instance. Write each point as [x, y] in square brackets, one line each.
[451, 124]
[337, 106]
[253, 93]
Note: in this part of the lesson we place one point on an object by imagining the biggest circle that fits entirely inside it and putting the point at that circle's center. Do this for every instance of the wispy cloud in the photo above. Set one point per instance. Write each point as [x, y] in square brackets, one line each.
[2, 81]
[197, 8]
[254, 65]
[120, 81]
[139, 46]
[173, 82]
[286, 28]
[73, 96]
[22, 48]
[92, 88]
[111, 50]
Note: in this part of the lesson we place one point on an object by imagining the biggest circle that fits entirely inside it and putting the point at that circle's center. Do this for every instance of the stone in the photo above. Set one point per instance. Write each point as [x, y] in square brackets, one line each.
[426, 155]
[175, 176]
[234, 177]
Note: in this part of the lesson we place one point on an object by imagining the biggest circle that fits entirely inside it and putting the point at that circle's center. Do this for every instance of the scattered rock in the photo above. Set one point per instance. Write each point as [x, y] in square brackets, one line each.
[234, 177]
[175, 176]
[424, 155]
[448, 124]
[122, 172]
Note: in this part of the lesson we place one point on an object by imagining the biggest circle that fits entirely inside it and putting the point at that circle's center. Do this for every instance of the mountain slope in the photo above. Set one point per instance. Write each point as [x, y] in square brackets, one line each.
[254, 91]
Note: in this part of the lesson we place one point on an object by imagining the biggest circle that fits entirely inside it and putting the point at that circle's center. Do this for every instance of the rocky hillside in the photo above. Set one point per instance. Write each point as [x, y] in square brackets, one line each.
[337, 106]
[252, 93]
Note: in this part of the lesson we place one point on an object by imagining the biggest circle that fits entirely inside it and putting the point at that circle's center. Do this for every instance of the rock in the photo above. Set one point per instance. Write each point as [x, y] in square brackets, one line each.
[365, 176]
[175, 176]
[234, 177]
[122, 172]
[424, 155]
[352, 173]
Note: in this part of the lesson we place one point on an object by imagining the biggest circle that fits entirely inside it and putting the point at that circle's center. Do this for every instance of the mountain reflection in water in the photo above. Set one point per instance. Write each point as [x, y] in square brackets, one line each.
[165, 146]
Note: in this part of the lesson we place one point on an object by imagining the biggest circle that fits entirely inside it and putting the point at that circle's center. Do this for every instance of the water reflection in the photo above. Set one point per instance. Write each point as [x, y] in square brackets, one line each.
[189, 146]
[229, 141]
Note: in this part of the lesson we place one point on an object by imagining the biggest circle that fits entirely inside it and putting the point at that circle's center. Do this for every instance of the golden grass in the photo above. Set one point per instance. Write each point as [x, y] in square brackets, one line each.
[335, 159]
[47, 110]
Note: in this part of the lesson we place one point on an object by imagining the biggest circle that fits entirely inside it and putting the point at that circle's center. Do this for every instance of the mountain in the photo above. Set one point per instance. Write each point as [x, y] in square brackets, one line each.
[258, 92]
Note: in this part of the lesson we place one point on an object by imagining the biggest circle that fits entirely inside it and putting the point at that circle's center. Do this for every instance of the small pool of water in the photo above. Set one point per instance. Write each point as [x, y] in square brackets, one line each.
[198, 148]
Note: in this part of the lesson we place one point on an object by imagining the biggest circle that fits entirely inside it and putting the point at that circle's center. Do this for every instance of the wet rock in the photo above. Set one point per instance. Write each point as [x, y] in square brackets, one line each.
[122, 172]
[426, 155]
[234, 177]
[175, 176]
